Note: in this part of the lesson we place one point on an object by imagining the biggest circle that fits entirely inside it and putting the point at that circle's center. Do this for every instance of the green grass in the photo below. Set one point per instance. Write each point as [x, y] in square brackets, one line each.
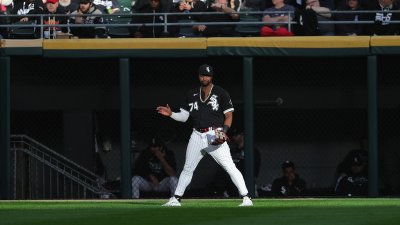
[205, 212]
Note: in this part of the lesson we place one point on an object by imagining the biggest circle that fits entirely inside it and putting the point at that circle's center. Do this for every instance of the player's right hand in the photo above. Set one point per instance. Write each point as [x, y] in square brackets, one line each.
[164, 110]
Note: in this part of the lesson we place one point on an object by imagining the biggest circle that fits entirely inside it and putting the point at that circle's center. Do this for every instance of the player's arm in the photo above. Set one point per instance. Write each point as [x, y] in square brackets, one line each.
[167, 167]
[162, 156]
[181, 116]
[228, 121]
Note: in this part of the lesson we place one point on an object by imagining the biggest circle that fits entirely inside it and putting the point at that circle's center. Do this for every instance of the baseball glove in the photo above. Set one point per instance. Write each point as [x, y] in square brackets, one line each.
[220, 138]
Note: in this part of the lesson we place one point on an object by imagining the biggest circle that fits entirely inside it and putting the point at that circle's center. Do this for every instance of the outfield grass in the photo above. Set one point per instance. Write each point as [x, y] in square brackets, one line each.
[204, 212]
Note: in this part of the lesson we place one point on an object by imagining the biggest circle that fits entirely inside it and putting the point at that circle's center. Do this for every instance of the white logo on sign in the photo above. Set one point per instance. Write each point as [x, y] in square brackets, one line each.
[213, 102]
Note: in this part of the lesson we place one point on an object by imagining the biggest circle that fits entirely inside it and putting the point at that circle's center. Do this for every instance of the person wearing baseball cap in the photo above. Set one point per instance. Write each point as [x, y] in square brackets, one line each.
[210, 109]
[80, 17]
[155, 169]
[206, 70]
[290, 184]
[355, 181]
[51, 8]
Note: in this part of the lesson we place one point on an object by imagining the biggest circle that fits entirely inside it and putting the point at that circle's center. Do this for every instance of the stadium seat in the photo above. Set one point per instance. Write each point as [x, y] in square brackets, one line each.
[119, 31]
[249, 30]
[23, 32]
[186, 30]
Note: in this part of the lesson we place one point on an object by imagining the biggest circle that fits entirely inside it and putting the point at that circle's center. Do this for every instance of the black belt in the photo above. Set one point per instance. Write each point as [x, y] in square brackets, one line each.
[206, 129]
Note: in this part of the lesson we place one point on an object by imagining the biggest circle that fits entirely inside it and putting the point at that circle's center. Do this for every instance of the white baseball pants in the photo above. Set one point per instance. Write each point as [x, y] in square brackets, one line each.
[198, 146]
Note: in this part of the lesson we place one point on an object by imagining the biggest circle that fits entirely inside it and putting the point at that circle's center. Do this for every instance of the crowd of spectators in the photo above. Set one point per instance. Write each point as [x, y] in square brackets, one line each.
[274, 17]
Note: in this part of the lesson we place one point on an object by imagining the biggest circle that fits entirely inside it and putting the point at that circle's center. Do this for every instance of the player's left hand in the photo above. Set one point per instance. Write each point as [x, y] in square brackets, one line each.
[164, 110]
[220, 137]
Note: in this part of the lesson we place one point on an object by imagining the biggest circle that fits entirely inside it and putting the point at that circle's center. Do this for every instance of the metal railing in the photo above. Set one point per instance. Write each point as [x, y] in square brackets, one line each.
[41, 173]
[109, 17]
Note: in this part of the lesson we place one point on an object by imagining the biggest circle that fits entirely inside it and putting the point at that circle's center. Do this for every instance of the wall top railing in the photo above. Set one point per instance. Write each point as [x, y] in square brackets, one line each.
[119, 23]
[171, 14]
[202, 47]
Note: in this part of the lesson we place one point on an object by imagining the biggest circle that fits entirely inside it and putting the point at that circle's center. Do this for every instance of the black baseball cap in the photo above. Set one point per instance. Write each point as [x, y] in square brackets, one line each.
[287, 164]
[206, 70]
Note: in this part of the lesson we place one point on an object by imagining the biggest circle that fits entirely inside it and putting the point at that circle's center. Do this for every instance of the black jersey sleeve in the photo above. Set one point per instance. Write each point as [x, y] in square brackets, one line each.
[226, 103]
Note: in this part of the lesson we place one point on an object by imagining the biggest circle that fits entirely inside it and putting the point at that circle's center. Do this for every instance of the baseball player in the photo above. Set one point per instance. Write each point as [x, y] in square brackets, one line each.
[210, 108]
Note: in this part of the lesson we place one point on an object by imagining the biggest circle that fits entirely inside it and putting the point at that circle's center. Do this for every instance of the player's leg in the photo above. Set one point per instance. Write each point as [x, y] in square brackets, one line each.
[139, 184]
[223, 157]
[193, 157]
[167, 184]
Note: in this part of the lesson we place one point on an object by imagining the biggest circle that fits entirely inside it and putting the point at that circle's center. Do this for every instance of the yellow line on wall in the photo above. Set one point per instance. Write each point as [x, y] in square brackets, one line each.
[293, 42]
[125, 43]
[383, 41]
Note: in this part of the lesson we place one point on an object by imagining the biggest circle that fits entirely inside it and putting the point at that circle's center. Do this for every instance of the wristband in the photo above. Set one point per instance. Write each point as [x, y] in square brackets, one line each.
[225, 128]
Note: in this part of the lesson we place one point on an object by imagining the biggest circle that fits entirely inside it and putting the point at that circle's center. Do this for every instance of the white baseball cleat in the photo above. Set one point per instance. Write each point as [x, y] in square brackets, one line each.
[246, 201]
[172, 202]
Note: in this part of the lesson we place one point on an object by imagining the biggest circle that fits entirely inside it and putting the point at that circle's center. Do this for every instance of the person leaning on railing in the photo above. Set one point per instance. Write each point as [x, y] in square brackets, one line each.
[323, 14]
[51, 8]
[80, 17]
[277, 13]
[383, 19]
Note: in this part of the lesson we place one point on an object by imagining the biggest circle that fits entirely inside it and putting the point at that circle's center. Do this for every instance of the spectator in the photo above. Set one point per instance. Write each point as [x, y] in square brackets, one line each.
[323, 15]
[153, 31]
[52, 8]
[222, 182]
[25, 7]
[383, 19]
[155, 170]
[290, 184]
[229, 15]
[5, 6]
[68, 6]
[277, 13]
[78, 17]
[349, 29]
[168, 5]
[187, 8]
[354, 181]
[344, 167]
